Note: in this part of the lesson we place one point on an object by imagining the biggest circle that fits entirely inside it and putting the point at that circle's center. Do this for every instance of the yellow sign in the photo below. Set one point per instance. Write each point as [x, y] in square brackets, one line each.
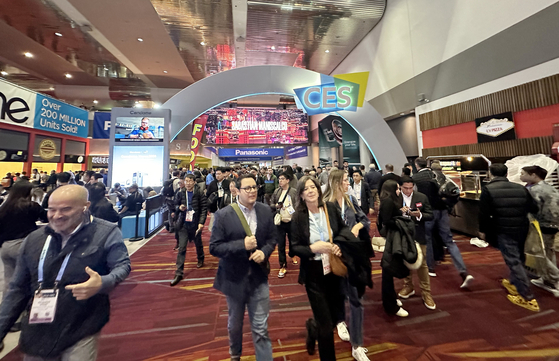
[47, 149]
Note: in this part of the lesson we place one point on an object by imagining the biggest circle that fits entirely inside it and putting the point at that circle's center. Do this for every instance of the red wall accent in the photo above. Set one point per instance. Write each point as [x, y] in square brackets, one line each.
[459, 134]
[536, 122]
[528, 123]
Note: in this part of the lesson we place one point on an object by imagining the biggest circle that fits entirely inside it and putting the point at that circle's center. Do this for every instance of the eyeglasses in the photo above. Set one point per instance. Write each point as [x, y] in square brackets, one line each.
[250, 189]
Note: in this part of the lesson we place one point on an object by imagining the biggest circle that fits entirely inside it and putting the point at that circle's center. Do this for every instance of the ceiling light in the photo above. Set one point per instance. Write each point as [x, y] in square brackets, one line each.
[402, 113]
[4, 73]
[273, 47]
[411, 111]
[95, 102]
[202, 43]
[140, 40]
[58, 34]
[51, 88]
[28, 54]
[156, 106]
[165, 71]
[68, 75]
[326, 51]
[138, 105]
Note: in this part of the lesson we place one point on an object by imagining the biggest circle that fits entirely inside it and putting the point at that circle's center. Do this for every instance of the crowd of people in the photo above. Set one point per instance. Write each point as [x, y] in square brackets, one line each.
[317, 217]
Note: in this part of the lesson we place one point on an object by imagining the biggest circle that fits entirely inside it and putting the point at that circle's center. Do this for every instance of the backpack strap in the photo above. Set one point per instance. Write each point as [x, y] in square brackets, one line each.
[242, 219]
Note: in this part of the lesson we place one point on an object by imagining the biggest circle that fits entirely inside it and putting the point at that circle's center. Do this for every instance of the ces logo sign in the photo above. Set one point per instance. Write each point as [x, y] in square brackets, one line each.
[335, 93]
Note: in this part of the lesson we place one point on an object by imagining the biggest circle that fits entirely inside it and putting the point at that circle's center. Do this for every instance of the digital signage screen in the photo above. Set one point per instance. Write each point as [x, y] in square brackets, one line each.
[138, 165]
[257, 126]
[139, 129]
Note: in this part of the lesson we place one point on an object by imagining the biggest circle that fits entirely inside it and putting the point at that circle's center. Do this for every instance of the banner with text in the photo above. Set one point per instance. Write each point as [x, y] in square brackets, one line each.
[101, 125]
[250, 152]
[23, 107]
[296, 152]
[197, 132]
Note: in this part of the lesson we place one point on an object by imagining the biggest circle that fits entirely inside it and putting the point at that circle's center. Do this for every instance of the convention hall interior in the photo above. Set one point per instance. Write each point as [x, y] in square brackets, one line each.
[279, 180]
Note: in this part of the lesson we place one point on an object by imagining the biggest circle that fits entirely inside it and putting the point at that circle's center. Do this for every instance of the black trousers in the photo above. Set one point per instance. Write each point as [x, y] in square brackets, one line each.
[326, 300]
[284, 229]
[389, 295]
[188, 233]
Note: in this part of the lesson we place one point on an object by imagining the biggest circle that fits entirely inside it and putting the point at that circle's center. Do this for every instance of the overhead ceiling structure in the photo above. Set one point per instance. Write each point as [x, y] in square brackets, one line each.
[127, 51]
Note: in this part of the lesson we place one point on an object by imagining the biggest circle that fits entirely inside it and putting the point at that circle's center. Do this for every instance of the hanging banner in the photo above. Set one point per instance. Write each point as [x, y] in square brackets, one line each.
[101, 125]
[197, 132]
[296, 152]
[495, 128]
[350, 144]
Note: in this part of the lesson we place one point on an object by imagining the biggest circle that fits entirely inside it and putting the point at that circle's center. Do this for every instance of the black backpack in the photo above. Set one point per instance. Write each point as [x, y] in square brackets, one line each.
[449, 192]
[168, 188]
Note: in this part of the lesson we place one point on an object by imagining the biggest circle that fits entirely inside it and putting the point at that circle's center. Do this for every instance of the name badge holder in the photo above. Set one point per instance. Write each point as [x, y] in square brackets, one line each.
[189, 214]
[43, 308]
[325, 257]
[220, 192]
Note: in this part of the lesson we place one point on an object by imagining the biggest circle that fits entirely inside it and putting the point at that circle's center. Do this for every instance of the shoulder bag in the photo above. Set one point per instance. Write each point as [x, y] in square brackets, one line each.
[266, 264]
[336, 263]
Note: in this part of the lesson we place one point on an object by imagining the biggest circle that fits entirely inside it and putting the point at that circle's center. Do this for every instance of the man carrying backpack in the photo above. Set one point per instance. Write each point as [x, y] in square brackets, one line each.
[168, 191]
[426, 181]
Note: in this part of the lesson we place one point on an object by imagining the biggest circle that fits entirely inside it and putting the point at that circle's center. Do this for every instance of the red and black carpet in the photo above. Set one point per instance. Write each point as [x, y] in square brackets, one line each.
[152, 321]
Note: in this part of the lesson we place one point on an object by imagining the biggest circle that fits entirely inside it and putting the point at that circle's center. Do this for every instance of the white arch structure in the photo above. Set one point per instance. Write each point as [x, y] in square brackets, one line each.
[205, 94]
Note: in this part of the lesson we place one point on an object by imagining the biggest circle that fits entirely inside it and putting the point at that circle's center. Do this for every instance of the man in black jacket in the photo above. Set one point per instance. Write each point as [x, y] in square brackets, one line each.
[362, 193]
[503, 222]
[216, 190]
[191, 208]
[416, 206]
[388, 175]
[372, 177]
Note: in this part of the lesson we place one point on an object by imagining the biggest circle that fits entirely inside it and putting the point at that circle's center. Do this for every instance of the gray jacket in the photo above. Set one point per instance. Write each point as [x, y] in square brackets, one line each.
[547, 199]
[97, 245]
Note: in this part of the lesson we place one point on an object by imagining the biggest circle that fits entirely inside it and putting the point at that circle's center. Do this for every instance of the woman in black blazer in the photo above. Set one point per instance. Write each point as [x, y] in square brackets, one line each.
[310, 242]
[100, 207]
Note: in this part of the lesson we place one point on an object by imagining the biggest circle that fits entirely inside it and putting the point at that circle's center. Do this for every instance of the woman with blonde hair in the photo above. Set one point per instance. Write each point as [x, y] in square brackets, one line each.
[354, 217]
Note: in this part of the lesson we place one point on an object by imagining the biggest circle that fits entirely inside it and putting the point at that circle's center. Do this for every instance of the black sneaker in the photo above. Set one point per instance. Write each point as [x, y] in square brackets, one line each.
[200, 264]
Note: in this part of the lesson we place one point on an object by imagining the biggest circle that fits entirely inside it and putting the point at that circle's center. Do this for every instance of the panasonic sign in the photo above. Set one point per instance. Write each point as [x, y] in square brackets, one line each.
[250, 152]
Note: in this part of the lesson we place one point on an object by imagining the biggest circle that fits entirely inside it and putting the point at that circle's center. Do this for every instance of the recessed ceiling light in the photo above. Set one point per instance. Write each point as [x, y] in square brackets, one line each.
[51, 88]
[28, 54]
[58, 34]
[273, 47]
[402, 113]
[140, 40]
[202, 43]
[4, 73]
[95, 102]
[411, 111]
[326, 51]
[156, 105]
[165, 71]
[138, 105]
[68, 75]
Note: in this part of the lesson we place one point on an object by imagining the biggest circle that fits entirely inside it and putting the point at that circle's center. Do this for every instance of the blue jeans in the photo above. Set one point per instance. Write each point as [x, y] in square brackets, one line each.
[356, 313]
[512, 252]
[441, 223]
[257, 301]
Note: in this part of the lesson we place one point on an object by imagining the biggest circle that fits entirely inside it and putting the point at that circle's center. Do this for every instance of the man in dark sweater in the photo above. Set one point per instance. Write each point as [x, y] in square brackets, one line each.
[503, 223]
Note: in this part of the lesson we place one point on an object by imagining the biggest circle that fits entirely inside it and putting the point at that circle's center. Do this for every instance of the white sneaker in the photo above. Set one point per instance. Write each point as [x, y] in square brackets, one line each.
[432, 274]
[467, 281]
[360, 353]
[402, 313]
[539, 282]
[399, 303]
[343, 333]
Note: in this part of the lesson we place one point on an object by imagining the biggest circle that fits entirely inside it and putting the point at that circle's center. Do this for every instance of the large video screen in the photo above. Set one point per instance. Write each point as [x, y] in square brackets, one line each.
[139, 129]
[257, 126]
[138, 165]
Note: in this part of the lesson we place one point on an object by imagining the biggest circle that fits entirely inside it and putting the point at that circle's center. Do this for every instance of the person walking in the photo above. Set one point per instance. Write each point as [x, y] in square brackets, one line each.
[243, 239]
[503, 223]
[191, 208]
[283, 203]
[270, 185]
[65, 274]
[359, 224]
[311, 243]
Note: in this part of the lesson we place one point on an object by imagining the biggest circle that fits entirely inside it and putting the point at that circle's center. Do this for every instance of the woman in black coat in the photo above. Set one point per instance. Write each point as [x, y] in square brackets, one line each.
[390, 204]
[310, 241]
[100, 207]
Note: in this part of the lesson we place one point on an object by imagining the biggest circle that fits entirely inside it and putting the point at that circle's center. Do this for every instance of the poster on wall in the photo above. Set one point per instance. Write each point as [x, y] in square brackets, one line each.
[495, 128]
[350, 144]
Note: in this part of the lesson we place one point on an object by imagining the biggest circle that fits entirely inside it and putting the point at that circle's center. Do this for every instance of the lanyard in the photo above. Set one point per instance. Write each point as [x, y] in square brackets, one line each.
[42, 263]
[320, 229]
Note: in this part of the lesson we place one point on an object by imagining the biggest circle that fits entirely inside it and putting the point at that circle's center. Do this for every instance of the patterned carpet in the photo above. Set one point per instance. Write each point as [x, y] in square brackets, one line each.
[152, 321]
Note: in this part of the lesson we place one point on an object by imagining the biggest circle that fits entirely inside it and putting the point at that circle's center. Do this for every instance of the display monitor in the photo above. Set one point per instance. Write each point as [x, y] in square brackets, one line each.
[138, 165]
[139, 129]
[256, 126]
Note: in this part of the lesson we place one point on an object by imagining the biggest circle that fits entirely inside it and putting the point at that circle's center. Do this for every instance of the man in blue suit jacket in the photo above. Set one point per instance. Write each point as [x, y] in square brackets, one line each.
[243, 269]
